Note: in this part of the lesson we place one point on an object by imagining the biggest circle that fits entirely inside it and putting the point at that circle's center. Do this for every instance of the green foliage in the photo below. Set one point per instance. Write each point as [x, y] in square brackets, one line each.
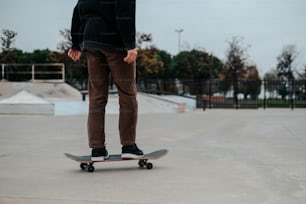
[192, 65]
[148, 62]
[196, 65]
[14, 56]
[9, 56]
[166, 70]
[252, 86]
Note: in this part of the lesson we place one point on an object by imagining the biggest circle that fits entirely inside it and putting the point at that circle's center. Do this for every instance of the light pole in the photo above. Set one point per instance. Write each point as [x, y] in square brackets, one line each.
[179, 31]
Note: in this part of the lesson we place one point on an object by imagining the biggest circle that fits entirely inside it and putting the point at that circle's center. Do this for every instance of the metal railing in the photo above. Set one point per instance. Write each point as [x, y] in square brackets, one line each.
[211, 93]
[53, 72]
[224, 94]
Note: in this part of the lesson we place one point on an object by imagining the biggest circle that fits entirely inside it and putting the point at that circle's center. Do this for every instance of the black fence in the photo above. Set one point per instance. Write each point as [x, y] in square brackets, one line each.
[211, 93]
[238, 94]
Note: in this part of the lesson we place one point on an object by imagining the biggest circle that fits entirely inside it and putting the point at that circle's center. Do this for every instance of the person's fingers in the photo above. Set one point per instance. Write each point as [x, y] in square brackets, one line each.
[131, 56]
[127, 58]
[69, 53]
[75, 55]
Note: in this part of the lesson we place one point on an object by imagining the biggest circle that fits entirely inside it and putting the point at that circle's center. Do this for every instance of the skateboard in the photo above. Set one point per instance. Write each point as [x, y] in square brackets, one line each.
[87, 165]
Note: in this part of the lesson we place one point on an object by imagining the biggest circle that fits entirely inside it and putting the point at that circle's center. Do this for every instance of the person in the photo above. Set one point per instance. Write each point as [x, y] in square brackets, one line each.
[105, 31]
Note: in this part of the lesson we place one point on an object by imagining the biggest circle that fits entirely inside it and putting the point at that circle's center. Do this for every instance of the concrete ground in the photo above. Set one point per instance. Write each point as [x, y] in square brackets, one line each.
[215, 157]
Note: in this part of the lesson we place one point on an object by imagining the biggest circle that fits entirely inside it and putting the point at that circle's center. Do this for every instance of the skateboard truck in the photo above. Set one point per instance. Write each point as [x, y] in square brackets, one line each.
[89, 167]
[144, 163]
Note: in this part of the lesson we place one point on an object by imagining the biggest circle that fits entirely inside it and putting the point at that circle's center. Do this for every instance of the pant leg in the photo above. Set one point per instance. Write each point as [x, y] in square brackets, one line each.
[124, 76]
[98, 82]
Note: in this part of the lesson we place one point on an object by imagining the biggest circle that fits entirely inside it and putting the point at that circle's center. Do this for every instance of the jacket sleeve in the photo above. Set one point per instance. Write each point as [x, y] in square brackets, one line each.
[125, 17]
[76, 33]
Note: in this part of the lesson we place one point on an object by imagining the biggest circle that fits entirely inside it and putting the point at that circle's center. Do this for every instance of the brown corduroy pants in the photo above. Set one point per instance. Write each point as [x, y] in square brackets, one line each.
[100, 65]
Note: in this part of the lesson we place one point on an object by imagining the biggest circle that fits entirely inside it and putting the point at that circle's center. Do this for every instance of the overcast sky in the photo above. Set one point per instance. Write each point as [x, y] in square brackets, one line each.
[265, 25]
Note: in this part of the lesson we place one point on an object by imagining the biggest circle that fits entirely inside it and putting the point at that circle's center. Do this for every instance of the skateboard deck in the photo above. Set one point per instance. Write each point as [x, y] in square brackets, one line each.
[86, 163]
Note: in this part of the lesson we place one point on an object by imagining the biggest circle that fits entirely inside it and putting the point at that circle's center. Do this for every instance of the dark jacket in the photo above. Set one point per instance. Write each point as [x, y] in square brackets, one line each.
[104, 24]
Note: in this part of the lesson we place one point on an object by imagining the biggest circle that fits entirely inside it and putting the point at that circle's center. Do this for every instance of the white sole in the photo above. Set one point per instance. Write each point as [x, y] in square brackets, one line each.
[99, 158]
[131, 156]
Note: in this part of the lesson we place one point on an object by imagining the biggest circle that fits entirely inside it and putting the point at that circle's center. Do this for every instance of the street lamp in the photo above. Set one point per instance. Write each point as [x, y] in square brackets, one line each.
[179, 31]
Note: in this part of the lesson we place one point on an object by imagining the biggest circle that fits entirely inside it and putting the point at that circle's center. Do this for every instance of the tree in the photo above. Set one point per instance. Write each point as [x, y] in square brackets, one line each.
[238, 74]
[194, 67]
[235, 65]
[272, 82]
[8, 39]
[8, 54]
[66, 43]
[148, 63]
[166, 70]
[149, 66]
[251, 85]
[143, 37]
[271, 75]
[191, 65]
[304, 74]
[285, 70]
[285, 62]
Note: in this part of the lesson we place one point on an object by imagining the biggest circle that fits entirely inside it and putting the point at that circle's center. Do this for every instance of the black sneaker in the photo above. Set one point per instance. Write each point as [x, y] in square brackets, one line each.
[99, 154]
[131, 152]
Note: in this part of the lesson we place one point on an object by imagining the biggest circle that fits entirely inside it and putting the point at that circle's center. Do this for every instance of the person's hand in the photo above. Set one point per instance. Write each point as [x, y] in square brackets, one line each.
[131, 56]
[75, 55]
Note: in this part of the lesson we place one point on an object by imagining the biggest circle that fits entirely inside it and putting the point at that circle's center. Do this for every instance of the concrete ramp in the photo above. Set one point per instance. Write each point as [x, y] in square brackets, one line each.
[42, 90]
[24, 103]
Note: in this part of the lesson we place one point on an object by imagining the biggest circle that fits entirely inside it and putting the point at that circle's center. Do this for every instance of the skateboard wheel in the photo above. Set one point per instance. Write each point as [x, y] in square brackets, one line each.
[141, 163]
[83, 166]
[90, 168]
[149, 165]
